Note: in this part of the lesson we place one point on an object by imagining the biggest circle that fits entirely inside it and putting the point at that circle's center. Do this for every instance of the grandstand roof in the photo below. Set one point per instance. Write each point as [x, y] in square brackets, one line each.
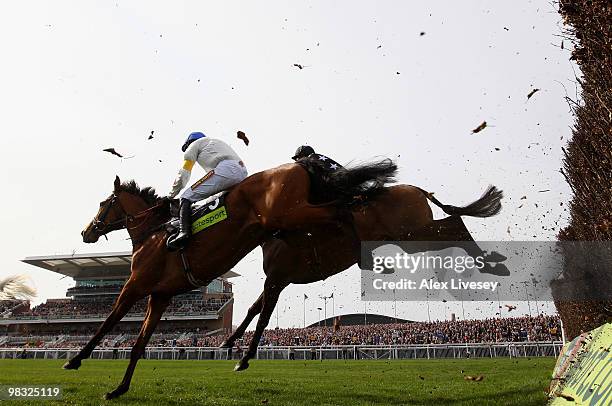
[355, 319]
[104, 265]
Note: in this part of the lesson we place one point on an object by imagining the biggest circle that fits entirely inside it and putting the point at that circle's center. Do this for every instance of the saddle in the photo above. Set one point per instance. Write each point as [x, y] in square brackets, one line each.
[321, 183]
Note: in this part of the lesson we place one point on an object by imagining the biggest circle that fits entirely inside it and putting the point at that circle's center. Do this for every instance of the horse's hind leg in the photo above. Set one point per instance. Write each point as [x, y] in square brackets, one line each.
[254, 310]
[453, 230]
[270, 297]
[157, 305]
[450, 229]
[124, 303]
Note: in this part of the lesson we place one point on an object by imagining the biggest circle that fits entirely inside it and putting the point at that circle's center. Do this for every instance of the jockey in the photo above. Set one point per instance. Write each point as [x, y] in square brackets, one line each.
[306, 151]
[224, 169]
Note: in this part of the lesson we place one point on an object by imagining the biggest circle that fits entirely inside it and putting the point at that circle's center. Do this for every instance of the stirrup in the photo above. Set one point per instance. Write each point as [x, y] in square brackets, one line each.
[173, 245]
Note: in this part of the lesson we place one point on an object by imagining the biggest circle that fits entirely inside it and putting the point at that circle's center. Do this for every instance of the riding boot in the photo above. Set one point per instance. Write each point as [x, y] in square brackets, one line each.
[179, 240]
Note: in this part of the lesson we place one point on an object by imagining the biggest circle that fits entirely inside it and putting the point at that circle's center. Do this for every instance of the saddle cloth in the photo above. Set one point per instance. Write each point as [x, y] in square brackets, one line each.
[204, 214]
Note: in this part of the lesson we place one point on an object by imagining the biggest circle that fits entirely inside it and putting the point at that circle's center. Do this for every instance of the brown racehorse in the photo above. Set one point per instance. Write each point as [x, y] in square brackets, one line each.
[276, 199]
[314, 254]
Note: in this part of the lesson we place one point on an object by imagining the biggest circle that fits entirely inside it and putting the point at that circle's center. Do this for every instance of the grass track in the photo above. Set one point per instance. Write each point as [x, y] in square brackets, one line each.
[409, 382]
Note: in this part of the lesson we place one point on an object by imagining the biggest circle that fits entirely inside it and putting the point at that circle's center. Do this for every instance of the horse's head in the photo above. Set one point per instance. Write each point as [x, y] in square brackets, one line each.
[128, 207]
[110, 217]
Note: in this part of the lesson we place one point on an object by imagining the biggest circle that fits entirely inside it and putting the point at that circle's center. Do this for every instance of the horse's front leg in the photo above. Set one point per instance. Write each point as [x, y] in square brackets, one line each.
[254, 310]
[124, 303]
[157, 305]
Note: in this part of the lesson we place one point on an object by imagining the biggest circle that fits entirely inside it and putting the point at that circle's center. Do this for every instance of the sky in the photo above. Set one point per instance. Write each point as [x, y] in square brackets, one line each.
[405, 80]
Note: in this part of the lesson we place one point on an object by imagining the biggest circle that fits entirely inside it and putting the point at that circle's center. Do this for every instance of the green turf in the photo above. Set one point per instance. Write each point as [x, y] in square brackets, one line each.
[409, 382]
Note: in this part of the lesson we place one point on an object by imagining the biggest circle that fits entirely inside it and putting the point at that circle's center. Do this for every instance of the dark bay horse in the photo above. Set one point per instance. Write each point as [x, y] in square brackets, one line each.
[268, 201]
[314, 254]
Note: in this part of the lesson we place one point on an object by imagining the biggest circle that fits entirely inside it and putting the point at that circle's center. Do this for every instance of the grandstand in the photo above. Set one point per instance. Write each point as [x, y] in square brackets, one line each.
[70, 321]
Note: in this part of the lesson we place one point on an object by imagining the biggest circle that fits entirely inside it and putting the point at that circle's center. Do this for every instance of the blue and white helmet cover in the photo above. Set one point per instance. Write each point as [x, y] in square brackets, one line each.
[191, 138]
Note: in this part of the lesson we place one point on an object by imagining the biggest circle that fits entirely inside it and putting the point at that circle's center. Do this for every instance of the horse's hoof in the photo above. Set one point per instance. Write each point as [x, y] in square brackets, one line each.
[72, 364]
[495, 256]
[115, 394]
[241, 366]
[497, 270]
[226, 344]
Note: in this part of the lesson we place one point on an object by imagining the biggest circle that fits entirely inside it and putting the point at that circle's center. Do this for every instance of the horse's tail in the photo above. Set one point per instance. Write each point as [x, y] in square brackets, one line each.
[488, 205]
[362, 180]
[15, 287]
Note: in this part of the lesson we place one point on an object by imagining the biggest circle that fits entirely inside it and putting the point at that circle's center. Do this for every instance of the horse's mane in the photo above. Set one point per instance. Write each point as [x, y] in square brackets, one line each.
[148, 194]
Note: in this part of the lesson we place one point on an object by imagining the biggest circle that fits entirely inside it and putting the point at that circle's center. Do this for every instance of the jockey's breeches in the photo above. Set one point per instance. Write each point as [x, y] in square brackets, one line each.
[225, 175]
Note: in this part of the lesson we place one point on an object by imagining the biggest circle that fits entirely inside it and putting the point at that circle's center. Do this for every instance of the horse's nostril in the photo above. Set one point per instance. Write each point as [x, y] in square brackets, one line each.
[83, 233]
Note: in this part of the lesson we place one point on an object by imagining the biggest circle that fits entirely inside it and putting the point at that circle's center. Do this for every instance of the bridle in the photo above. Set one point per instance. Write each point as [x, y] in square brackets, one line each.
[98, 223]
[101, 227]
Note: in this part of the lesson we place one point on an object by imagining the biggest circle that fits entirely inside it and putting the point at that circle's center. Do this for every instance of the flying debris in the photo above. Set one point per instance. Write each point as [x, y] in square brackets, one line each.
[297, 65]
[151, 135]
[241, 135]
[481, 127]
[112, 151]
[532, 93]
[422, 33]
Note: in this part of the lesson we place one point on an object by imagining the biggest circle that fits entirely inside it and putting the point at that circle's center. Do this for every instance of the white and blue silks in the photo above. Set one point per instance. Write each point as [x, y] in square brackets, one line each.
[223, 165]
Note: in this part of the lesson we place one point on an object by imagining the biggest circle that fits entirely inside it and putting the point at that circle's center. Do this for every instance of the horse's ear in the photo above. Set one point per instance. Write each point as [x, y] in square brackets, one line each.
[117, 184]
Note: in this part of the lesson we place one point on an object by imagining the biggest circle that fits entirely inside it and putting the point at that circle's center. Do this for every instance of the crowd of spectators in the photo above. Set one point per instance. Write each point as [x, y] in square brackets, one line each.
[96, 289]
[540, 328]
[101, 307]
[6, 305]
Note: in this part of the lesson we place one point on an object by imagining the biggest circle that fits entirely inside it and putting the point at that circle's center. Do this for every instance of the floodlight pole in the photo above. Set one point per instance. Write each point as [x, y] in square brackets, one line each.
[333, 305]
[527, 297]
[535, 297]
[325, 304]
[304, 307]
[394, 306]
[428, 314]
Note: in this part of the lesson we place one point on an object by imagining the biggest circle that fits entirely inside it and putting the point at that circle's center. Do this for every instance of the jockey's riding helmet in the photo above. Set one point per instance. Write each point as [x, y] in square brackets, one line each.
[192, 137]
[303, 152]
